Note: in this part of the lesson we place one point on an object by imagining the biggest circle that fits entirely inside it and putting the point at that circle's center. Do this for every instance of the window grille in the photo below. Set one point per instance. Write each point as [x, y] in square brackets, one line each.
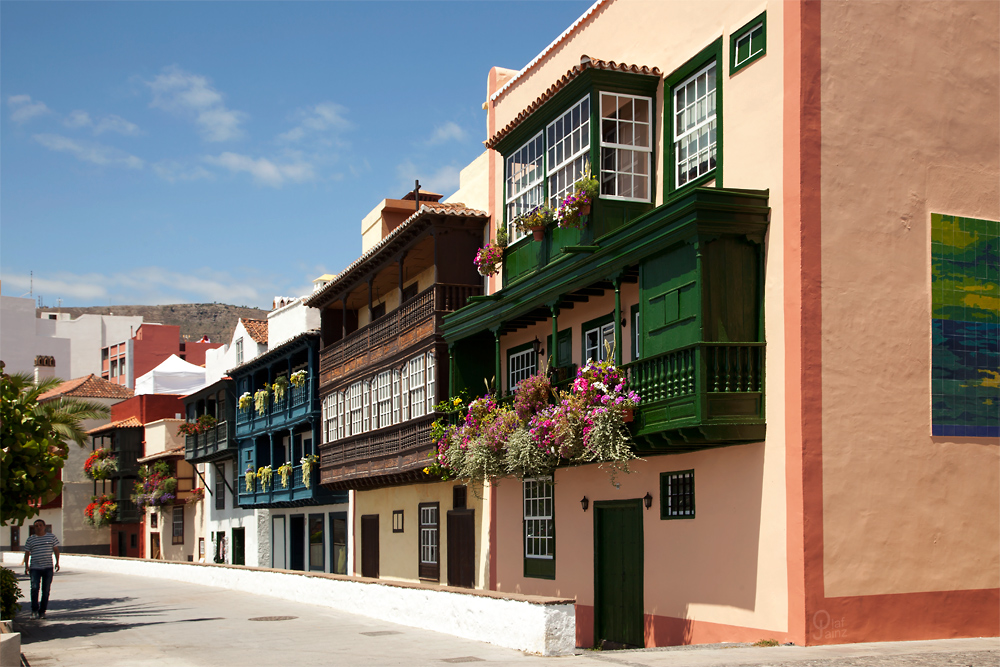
[677, 495]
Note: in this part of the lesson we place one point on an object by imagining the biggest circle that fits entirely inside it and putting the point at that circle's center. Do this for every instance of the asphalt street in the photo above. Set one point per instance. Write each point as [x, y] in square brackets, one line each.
[103, 620]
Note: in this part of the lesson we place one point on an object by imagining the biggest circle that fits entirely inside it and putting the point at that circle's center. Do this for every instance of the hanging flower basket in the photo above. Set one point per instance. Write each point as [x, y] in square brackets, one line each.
[197, 495]
[245, 401]
[285, 470]
[535, 221]
[265, 474]
[298, 378]
[101, 511]
[488, 259]
[307, 465]
[576, 206]
[249, 477]
[155, 486]
[280, 387]
[260, 401]
[102, 464]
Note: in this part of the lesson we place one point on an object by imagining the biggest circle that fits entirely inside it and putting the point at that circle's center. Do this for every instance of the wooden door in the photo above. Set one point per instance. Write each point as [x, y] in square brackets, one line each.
[154, 545]
[297, 542]
[462, 548]
[369, 546]
[618, 571]
[239, 546]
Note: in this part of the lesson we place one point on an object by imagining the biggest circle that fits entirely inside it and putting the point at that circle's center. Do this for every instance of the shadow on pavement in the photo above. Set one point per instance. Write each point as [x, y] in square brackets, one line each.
[86, 617]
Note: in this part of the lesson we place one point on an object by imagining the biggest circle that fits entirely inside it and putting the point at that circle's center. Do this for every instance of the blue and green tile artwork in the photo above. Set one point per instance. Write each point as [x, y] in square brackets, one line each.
[965, 326]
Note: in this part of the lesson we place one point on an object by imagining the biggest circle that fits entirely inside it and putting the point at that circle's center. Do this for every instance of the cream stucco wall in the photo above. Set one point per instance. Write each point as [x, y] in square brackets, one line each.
[398, 552]
[903, 511]
[474, 184]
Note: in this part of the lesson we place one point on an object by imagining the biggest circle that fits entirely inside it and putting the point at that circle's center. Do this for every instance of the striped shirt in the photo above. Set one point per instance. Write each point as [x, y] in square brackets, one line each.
[40, 547]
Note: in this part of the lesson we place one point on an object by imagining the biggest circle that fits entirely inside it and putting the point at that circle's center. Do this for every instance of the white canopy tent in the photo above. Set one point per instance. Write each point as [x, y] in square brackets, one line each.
[173, 376]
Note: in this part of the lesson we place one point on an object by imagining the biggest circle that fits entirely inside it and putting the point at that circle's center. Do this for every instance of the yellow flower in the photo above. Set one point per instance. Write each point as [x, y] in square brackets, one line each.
[457, 401]
[427, 471]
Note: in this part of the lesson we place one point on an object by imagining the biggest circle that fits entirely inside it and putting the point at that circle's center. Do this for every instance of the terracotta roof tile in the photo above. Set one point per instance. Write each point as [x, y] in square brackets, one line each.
[170, 453]
[88, 386]
[317, 299]
[128, 422]
[586, 62]
[256, 328]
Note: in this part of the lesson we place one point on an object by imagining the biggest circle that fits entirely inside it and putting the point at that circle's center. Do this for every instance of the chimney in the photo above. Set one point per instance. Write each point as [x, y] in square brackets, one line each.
[45, 367]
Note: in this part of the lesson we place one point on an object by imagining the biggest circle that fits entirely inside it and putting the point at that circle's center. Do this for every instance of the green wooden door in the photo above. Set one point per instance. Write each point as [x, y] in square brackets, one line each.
[618, 568]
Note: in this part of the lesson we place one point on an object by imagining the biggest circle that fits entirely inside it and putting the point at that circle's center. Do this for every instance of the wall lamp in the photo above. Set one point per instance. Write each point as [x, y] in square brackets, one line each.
[536, 345]
[647, 500]
[585, 503]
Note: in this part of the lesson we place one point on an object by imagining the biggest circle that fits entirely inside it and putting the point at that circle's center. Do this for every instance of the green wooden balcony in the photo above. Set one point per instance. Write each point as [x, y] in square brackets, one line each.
[210, 445]
[698, 395]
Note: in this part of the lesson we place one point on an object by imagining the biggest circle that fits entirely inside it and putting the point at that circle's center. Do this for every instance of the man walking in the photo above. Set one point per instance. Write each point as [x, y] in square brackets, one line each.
[38, 550]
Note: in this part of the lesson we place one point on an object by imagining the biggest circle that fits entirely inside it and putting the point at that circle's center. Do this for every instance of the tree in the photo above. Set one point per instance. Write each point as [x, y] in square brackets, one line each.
[33, 438]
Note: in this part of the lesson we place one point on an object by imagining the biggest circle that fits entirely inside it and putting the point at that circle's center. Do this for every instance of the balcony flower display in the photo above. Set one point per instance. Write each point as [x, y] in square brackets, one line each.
[245, 401]
[260, 400]
[265, 474]
[203, 424]
[307, 463]
[102, 464]
[197, 495]
[101, 511]
[285, 469]
[536, 220]
[249, 477]
[279, 388]
[298, 378]
[488, 259]
[155, 486]
[577, 203]
[582, 424]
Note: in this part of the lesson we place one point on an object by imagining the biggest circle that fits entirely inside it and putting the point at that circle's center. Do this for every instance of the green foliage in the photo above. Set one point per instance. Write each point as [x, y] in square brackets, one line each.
[9, 594]
[766, 642]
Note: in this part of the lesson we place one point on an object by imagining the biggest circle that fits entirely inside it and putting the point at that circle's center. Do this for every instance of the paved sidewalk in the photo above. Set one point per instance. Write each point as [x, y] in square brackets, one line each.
[102, 620]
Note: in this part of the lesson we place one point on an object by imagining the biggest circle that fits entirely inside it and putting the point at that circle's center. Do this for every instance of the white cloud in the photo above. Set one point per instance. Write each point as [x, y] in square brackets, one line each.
[323, 117]
[192, 95]
[443, 181]
[173, 171]
[152, 285]
[448, 132]
[112, 123]
[89, 152]
[23, 109]
[263, 170]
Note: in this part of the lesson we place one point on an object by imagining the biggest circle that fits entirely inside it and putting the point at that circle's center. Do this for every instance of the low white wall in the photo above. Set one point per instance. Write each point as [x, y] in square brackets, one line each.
[545, 626]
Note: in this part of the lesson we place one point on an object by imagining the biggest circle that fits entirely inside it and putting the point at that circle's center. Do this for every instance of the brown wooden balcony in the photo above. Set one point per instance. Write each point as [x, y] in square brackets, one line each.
[392, 455]
[413, 321]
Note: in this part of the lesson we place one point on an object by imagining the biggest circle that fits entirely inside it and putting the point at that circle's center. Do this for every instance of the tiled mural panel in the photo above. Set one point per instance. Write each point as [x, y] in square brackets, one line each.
[965, 376]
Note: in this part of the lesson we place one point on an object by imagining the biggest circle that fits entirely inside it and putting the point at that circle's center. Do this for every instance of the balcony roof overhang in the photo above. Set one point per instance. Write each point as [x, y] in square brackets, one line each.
[209, 389]
[410, 232]
[702, 211]
[289, 346]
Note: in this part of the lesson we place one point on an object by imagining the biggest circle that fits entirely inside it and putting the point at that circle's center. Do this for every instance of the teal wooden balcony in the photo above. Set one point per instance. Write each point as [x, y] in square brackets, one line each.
[210, 445]
[699, 394]
[295, 405]
[296, 494]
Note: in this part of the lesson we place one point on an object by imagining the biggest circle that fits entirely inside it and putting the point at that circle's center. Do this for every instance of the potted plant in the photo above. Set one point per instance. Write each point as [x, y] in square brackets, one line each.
[197, 495]
[206, 423]
[102, 464]
[536, 220]
[488, 259]
[101, 511]
[260, 400]
[577, 203]
[280, 387]
[249, 477]
[187, 428]
[245, 401]
[307, 465]
[298, 378]
[265, 474]
[285, 469]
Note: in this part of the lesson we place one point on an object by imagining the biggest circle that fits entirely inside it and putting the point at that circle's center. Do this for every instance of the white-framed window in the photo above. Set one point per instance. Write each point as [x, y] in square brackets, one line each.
[520, 366]
[396, 391]
[357, 405]
[596, 342]
[430, 527]
[567, 141]
[405, 394]
[636, 333]
[524, 176]
[330, 417]
[239, 350]
[341, 414]
[430, 383]
[366, 408]
[694, 126]
[626, 146]
[383, 399]
[539, 525]
[416, 397]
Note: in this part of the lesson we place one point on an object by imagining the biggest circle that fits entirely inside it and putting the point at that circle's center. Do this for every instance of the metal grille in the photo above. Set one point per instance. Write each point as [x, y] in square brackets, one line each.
[678, 494]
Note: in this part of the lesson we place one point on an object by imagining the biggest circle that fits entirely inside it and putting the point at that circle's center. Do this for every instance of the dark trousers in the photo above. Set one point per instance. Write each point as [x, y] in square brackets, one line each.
[41, 577]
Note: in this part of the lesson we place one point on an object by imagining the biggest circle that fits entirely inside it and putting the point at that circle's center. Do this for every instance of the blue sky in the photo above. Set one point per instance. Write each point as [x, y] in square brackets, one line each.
[196, 152]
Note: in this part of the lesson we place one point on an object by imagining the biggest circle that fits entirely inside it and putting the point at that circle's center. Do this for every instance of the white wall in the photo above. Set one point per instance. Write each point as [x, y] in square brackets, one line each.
[220, 360]
[290, 321]
[23, 336]
[324, 510]
[90, 333]
[231, 517]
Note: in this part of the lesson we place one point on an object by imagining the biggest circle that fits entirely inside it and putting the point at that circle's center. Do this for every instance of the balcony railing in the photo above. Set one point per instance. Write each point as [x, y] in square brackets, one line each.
[411, 438]
[413, 320]
[293, 405]
[207, 444]
[713, 390]
[276, 493]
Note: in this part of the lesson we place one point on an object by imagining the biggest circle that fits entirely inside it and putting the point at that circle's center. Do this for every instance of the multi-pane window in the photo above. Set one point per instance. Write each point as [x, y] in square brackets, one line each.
[405, 403]
[567, 141]
[177, 534]
[396, 384]
[430, 383]
[677, 495]
[626, 146]
[596, 342]
[383, 399]
[749, 43]
[220, 486]
[330, 418]
[356, 407]
[416, 387]
[520, 366]
[429, 534]
[366, 408]
[239, 351]
[524, 181]
[341, 414]
[539, 525]
[695, 126]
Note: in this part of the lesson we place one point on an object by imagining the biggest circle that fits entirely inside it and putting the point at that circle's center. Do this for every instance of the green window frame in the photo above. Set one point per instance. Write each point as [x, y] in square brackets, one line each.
[590, 325]
[635, 322]
[748, 44]
[539, 527]
[561, 352]
[677, 495]
[710, 55]
[532, 364]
